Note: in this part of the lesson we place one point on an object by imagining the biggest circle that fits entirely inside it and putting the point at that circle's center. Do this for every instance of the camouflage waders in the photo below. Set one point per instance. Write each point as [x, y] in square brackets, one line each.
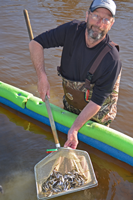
[108, 109]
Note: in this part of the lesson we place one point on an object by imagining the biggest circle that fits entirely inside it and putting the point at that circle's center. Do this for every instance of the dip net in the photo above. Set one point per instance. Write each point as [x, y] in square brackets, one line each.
[63, 172]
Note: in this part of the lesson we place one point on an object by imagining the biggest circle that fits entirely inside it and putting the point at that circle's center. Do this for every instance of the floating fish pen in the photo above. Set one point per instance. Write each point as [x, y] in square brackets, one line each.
[107, 140]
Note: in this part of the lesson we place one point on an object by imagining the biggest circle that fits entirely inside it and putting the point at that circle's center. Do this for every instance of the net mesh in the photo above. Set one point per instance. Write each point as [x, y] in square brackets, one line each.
[63, 161]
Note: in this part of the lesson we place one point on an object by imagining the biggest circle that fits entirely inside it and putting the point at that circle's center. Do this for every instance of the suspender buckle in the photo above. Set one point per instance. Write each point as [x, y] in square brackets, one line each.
[89, 76]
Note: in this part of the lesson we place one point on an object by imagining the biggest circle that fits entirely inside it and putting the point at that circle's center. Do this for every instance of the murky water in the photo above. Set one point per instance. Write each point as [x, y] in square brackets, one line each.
[23, 142]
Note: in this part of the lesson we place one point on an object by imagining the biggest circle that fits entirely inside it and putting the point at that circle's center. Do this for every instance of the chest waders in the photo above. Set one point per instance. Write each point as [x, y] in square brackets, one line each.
[78, 94]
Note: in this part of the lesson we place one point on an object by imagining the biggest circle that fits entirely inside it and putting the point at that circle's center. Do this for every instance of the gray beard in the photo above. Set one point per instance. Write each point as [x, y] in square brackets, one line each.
[95, 37]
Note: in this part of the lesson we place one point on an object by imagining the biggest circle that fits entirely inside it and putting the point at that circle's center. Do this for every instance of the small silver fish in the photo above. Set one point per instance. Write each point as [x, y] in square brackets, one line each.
[58, 182]
[1, 189]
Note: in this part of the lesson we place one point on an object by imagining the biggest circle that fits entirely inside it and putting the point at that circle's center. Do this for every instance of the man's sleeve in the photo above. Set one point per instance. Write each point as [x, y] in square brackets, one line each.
[104, 85]
[54, 37]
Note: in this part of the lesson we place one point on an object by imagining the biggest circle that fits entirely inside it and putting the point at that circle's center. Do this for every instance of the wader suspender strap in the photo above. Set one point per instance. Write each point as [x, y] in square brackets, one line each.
[96, 63]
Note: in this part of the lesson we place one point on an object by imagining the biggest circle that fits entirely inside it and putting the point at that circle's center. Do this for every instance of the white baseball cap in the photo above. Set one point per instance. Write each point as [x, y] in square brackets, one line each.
[108, 4]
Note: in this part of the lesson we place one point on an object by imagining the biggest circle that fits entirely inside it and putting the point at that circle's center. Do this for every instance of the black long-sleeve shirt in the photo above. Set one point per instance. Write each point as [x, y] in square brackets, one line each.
[77, 58]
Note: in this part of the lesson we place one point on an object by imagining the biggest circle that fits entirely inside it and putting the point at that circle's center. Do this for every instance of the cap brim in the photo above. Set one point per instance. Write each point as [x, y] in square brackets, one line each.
[95, 7]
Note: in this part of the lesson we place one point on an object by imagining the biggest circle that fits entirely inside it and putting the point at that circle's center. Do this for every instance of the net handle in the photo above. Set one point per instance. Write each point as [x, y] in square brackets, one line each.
[29, 28]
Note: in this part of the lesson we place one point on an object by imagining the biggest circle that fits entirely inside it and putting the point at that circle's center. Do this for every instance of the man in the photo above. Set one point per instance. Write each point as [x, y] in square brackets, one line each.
[90, 66]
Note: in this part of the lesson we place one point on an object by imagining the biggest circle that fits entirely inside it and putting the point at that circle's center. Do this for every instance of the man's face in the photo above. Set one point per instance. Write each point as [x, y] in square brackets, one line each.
[98, 23]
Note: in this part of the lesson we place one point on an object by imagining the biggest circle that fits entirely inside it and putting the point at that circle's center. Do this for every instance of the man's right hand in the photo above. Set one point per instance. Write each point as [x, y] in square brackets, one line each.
[43, 86]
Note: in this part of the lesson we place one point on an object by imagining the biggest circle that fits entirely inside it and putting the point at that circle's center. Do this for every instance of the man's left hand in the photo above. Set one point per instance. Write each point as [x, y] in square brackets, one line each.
[72, 140]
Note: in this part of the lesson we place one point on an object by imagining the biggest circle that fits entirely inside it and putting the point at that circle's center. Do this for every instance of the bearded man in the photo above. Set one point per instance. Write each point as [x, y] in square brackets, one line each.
[90, 66]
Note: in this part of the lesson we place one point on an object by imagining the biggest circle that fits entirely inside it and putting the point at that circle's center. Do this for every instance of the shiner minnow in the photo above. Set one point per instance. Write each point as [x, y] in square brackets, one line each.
[58, 182]
[1, 189]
